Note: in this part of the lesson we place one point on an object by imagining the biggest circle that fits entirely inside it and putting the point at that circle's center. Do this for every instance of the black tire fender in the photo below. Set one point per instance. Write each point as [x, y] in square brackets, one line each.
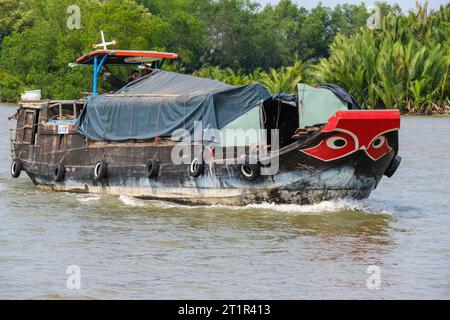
[59, 173]
[16, 168]
[196, 168]
[152, 168]
[393, 166]
[100, 170]
[250, 171]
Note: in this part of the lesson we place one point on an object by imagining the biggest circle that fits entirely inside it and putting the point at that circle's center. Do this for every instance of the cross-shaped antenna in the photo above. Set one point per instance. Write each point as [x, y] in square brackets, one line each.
[104, 43]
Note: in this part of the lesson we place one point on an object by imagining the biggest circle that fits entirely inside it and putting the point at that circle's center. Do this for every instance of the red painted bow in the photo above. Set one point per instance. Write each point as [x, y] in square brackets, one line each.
[357, 130]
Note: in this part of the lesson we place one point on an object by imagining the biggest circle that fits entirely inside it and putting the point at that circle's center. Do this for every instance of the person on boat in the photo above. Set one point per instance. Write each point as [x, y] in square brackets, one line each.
[114, 81]
[145, 70]
[134, 75]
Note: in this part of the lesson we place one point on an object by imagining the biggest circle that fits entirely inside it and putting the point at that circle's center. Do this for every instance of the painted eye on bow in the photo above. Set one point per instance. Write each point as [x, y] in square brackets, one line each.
[378, 142]
[334, 147]
[336, 142]
[378, 148]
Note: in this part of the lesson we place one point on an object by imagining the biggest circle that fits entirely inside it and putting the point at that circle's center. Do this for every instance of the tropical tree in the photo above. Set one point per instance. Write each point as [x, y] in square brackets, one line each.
[38, 56]
[404, 65]
[284, 79]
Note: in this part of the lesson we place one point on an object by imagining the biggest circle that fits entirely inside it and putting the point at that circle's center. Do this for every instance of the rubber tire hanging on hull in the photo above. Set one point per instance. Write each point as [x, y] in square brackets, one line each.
[100, 170]
[152, 168]
[59, 173]
[196, 168]
[250, 171]
[16, 168]
[393, 166]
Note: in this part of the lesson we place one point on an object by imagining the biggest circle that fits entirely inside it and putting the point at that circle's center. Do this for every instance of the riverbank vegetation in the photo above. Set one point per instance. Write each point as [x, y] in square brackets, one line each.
[403, 64]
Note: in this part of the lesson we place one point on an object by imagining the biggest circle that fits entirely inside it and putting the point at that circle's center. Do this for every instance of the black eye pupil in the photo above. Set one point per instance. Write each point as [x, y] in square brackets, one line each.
[339, 143]
[377, 142]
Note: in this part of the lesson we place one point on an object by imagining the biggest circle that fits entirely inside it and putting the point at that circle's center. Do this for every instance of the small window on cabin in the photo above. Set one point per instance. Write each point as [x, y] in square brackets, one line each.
[28, 127]
[29, 118]
[64, 111]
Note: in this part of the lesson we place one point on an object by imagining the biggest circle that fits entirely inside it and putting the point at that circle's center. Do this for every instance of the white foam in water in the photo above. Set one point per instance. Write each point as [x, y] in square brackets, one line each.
[130, 201]
[84, 198]
[330, 206]
[170, 205]
[322, 207]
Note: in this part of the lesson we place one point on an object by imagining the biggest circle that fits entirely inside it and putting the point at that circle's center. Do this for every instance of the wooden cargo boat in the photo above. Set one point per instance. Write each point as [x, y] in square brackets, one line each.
[313, 146]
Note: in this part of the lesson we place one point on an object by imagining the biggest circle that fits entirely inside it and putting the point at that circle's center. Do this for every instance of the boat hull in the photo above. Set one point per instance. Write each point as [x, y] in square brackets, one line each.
[293, 193]
[300, 179]
[309, 170]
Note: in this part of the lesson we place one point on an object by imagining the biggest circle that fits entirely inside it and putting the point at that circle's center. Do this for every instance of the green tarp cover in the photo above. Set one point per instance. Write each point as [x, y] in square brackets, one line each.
[162, 102]
[317, 105]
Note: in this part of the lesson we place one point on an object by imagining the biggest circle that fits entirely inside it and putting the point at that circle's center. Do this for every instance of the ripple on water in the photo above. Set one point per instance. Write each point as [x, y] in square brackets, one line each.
[148, 249]
[88, 198]
[322, 207]
[57, 296]
[130, 201]
[317, 208]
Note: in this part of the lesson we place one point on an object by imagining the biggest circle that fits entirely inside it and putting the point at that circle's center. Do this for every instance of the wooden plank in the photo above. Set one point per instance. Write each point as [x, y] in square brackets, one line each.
[52, 128]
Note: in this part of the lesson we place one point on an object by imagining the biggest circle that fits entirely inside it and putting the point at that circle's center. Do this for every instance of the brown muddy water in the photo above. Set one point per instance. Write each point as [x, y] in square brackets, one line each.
[133, 249]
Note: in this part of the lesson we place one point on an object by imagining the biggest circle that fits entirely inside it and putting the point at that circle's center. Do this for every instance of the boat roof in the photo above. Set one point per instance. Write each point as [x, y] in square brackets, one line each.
[126, 56]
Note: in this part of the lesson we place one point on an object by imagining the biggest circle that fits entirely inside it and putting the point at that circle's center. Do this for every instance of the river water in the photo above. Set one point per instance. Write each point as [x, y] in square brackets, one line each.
[132, 249]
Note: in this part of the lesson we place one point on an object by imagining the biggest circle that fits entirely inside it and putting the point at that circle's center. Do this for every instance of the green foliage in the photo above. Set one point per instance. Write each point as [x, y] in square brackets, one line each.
[10, 87]
[276, 80]
[227, 75]
[38, 56]
[14, 16]
[404, 65]
[284, 79]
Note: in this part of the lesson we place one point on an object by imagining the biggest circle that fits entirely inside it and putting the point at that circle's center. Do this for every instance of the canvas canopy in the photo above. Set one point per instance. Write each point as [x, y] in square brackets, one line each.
[162, 102]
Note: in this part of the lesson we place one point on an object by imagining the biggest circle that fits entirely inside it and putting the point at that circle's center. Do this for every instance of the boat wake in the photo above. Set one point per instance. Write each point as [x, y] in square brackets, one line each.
[89, 198]
[330, 206]
[130, 201]
[339, 205]
[324, 206]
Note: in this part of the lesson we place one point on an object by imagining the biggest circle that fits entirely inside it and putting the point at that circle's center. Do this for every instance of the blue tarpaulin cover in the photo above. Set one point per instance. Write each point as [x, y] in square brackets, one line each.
[160, 103]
